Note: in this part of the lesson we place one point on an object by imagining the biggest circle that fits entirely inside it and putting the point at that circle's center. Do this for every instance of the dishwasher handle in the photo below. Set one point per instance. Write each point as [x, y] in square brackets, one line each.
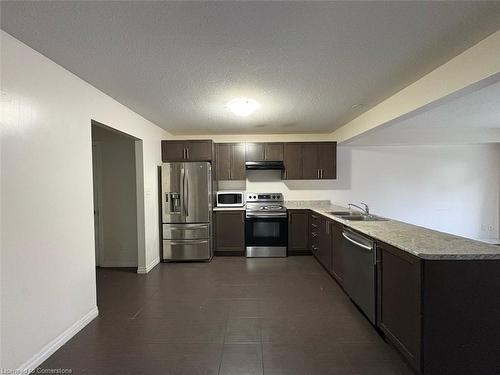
[366, 247]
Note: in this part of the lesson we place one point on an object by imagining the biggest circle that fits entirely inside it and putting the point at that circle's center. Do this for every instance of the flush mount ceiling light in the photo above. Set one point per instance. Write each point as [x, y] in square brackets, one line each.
[242, 107]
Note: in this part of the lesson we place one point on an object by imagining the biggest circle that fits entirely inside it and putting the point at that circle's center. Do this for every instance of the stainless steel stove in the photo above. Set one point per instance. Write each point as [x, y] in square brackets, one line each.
[266, 226]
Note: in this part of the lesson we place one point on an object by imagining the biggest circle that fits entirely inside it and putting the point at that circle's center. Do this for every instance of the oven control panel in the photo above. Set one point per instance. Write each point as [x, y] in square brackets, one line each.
[264, 197]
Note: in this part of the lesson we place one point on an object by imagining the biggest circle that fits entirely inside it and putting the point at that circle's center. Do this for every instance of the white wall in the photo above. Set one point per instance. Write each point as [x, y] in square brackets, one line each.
[118, 213]
[454, 189]
[47, 270]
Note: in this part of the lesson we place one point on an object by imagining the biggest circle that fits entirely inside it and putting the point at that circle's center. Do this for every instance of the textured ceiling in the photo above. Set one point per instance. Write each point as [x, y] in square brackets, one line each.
[307, 63]
[473, 118]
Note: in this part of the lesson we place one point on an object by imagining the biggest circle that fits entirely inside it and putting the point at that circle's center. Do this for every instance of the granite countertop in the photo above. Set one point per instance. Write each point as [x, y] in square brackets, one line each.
[229, 208]
[419, 241]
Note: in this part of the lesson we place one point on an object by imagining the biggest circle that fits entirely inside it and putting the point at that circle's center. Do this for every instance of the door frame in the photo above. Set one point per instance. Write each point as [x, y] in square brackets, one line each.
[97, 187]
[141, 196]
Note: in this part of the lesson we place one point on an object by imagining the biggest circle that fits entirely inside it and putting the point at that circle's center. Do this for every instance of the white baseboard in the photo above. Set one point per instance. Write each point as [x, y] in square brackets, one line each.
[59, 341]
[149, 267]
[118, 263]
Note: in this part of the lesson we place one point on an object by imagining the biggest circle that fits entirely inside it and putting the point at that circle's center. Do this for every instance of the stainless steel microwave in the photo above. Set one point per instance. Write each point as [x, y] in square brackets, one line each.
[230, 198]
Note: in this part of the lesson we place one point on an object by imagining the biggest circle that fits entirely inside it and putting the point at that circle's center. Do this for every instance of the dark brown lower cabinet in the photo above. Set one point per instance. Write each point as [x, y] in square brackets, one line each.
[298, 232]
[337, 269]
[399, 300]
[322, 231]
[314, 223]
[229, 232]
[325, 242]
[442, 315]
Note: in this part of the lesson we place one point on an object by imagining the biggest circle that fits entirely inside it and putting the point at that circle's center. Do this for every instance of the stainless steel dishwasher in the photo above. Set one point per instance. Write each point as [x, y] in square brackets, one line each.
[360, 255]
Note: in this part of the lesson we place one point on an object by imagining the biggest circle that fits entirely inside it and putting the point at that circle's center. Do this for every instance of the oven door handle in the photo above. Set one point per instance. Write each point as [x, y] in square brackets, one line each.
[260, 216]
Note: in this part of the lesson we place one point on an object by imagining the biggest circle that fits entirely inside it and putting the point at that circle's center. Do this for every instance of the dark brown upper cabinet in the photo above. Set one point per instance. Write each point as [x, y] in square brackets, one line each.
[193, 150]
[327, 160]
[310, 161]
[254, 151]
[264, 151]
[298, 232]
[293, 161]
[230, 161]
[273, 151]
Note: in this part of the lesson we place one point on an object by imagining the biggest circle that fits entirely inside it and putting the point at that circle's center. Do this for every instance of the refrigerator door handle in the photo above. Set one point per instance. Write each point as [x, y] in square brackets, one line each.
[187, 192]
[183, 193]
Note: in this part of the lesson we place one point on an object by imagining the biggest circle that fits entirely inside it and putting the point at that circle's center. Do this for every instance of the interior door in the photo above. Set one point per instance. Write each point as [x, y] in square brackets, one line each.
[172, 193]
[197, 192]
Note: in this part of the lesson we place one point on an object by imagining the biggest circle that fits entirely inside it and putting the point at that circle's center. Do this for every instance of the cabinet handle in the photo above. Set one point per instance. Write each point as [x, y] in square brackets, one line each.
[327, 227]
[285, 174]
[187, 153]
[321, 174]
[318, 173]
[184, 153]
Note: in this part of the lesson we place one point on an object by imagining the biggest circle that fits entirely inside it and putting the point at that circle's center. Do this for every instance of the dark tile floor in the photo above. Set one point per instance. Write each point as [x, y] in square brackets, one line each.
[231, 316]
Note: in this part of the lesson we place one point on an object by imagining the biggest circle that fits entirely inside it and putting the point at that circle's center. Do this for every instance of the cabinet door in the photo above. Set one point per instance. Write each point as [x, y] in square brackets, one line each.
[254, 152]
[223, 161]
[273, 151]
[293, 161]
[198, 150]
[327, 159]
[337, 253]
[325, 243]
[172, 151]
[310, 163]
[298, 232]
[314, 222]
[230, 232]
[238, 171]
[399, 296]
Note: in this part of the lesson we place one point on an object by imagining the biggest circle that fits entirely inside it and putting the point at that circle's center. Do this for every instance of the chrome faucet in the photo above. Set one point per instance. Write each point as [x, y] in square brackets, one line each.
[366, 209]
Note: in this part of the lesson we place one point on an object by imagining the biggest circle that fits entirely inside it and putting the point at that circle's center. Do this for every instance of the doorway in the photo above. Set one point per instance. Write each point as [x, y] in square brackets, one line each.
[115, 185]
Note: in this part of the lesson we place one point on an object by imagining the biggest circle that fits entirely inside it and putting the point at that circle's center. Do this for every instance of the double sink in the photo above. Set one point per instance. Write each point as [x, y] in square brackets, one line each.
[356, 216]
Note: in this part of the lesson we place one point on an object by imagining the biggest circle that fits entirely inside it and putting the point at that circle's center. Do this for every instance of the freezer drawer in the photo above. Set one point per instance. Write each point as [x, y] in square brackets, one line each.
[186, 231]
[177, 250]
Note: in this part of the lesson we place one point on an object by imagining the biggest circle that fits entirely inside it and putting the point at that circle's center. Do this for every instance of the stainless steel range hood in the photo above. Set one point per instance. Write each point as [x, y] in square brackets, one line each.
[264, 165]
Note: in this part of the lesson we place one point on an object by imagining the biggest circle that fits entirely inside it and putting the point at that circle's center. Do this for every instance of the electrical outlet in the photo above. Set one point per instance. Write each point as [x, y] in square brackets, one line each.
[490, 228]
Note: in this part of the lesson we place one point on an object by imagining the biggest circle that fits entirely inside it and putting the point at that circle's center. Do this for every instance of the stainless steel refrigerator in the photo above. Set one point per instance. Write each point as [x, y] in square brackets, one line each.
[186, 196]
